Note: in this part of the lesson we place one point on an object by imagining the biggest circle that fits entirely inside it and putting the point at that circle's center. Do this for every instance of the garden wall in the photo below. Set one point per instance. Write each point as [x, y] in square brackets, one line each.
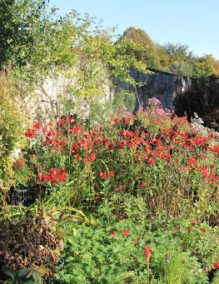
[162, 85]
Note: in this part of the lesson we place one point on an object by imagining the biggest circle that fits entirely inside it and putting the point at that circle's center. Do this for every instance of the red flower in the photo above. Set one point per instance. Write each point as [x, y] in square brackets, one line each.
[30, 133]
[61, 121]
[113, 233]
[216, 265]
[68, 120]
[78, 158]
[147, 252]
[143, 184]
[63, 141]
[203, 230]
[104, 176]
[36, 125]
[125, 233]
[93, 155]
[194, 223]
[86, 159]
[111, 173]
[189, 229]
[61, 149]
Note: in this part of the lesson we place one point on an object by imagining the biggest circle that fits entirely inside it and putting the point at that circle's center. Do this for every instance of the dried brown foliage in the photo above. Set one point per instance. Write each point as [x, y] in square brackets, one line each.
[32, 242]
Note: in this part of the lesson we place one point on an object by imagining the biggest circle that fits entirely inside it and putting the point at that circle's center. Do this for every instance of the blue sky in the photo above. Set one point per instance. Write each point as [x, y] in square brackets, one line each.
[191, 22]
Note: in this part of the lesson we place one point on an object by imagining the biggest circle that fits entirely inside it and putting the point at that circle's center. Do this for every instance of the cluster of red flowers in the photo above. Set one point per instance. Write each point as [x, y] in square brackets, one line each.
[55, 175]
[104, 175]
[194, 223]
[30, 133]
[125, 233]
[88, 145]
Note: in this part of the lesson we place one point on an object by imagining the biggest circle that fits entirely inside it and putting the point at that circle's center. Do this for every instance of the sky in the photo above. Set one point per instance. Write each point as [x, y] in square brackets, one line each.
[194, 23]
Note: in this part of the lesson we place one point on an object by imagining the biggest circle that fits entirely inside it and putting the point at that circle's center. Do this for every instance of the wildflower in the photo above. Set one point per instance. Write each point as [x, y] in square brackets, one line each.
[203, 230]
[189, 229]
[216, 265]
[194, 223]
[125, 233]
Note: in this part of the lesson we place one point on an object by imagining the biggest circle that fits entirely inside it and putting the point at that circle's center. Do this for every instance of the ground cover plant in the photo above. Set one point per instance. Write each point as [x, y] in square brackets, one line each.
[135, 198]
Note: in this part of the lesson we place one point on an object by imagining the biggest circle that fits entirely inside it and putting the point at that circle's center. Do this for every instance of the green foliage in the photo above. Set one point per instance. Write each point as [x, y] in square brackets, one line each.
[12, 122]
[112, 251]
[26, 275]
[144, 49]
[20, 23]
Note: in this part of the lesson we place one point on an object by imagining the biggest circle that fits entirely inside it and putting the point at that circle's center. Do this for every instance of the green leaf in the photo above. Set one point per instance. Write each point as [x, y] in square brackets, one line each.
[11, 273]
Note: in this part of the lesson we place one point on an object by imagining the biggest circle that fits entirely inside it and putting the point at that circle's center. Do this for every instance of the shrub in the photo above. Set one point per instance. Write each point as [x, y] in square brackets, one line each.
[11, 126]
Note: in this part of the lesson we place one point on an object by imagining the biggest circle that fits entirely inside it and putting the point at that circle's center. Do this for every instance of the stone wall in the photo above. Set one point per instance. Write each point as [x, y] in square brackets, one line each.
[162, 85]
[159, 84]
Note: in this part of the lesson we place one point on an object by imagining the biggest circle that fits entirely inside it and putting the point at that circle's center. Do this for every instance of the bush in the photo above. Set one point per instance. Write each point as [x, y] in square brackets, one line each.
[11, 126]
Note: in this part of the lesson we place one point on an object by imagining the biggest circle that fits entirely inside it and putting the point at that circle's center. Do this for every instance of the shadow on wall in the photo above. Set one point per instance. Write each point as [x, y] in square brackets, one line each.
[201, 98]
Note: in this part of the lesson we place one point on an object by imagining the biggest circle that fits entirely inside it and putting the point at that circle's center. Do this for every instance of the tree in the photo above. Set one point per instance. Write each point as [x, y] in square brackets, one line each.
[144, 50]
[177, 52]
[21, 24]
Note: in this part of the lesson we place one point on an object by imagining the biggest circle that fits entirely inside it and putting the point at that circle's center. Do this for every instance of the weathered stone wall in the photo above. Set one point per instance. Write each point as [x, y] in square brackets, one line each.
[162, 85]
[159, 84]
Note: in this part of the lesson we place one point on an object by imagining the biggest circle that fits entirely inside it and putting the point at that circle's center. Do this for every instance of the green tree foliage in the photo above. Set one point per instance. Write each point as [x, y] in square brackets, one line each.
[178, 59]
[21, 25]
[144, 49]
